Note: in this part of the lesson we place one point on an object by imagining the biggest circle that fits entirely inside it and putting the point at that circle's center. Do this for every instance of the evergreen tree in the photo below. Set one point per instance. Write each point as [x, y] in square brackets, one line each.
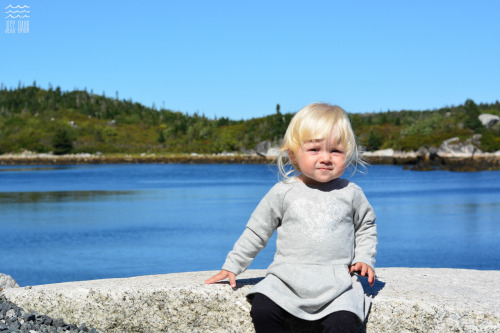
[161, 137]
[374, 141]
[472, 119]
[98, 135]
[62, 142]
[279, 126]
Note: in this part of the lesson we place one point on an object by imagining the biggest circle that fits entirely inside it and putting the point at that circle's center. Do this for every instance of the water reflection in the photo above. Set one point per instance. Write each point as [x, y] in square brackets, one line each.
[35, 168]
[59, 196]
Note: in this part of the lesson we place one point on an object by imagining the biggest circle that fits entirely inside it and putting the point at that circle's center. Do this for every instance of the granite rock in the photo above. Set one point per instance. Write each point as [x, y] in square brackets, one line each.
[454, 147]
[262, 147]
[404, 300]
[6, 281]
[489, 120]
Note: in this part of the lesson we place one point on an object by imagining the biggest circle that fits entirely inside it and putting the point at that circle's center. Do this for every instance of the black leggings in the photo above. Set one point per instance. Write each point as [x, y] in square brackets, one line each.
[267, 316]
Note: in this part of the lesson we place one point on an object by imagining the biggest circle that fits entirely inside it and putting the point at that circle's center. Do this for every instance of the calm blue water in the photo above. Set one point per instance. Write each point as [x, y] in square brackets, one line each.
[67, 223]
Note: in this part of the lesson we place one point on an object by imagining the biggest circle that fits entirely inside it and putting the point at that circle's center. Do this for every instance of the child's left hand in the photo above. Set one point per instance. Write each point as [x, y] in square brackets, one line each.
[364, 270]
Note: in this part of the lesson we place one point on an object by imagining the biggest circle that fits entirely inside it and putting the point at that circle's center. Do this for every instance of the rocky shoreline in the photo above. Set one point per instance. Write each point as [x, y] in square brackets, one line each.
[433, 159]
[422, 160]
[50, 159]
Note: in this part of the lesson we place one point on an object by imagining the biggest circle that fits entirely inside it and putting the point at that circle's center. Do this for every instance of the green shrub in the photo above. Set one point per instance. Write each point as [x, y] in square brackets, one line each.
[490, 141]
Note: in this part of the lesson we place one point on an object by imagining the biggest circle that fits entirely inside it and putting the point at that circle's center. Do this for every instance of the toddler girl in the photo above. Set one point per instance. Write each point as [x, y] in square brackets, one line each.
[325, 230]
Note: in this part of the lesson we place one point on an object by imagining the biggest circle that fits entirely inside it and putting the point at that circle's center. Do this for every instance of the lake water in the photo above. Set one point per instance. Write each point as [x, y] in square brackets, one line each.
[68, 223]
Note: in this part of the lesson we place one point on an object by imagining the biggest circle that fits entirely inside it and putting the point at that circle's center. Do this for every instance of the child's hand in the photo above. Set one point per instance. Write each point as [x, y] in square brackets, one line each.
[221, 276]
[363, 269]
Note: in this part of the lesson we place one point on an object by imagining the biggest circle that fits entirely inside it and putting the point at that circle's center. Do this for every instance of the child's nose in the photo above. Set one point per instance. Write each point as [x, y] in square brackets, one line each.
[325, 157]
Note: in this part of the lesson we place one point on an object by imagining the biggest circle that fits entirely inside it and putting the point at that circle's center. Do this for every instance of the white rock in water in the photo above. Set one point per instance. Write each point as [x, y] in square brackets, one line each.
[6, 281]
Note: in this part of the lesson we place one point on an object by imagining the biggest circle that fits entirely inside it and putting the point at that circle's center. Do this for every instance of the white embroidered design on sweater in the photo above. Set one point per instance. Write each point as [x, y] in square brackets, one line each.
[317, 218]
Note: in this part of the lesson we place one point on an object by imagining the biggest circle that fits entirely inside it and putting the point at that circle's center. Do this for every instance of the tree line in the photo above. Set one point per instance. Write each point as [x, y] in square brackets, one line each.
[79, 121]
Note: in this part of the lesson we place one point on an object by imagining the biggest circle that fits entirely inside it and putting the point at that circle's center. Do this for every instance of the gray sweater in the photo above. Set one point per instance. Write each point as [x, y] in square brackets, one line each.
[321, 230]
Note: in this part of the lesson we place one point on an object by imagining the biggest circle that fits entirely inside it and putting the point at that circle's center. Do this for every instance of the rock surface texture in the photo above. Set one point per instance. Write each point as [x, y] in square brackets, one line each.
[6, 281]
[404, 300]
[454, 147]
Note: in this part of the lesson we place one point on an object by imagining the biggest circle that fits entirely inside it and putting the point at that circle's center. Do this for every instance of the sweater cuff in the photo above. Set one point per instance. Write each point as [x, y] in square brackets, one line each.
[228, 266]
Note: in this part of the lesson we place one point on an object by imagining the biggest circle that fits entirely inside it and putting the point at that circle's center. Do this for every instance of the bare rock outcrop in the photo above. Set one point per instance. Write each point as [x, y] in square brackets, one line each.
[6, 281]
[404, 300]
[489, 120]
[455, 147]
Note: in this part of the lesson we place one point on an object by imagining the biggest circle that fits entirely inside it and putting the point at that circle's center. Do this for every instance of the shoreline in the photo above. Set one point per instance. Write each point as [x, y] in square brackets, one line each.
[410, 160]
[48, 159]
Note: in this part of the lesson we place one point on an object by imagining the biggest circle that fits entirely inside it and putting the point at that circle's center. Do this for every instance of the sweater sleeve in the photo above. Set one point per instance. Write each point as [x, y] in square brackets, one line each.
[365, 230]
[264, 220]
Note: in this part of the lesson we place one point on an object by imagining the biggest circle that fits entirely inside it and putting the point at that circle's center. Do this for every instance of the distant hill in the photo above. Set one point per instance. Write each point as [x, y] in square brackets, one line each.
[44, 120]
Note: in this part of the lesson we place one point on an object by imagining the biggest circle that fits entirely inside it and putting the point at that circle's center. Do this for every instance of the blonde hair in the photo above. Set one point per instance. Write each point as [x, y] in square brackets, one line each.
[318, 121]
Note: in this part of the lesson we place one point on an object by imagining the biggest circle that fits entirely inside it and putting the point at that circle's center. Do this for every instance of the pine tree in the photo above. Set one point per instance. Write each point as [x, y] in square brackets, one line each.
[374, 141]
[62, 142]
[161, 137]
[472, 121]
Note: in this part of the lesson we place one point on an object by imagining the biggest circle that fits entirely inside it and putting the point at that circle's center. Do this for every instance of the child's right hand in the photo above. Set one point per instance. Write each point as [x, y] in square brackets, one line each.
[223, 274]
[364, 270]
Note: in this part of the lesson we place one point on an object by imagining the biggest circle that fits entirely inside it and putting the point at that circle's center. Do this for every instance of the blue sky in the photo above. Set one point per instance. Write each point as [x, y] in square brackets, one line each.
[238, 59]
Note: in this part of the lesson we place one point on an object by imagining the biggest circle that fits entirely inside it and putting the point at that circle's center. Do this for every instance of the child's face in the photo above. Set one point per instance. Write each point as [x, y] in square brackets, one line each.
[320, 161]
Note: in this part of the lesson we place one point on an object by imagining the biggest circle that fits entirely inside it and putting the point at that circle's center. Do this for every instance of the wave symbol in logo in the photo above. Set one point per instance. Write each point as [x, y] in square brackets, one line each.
[15, 13]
